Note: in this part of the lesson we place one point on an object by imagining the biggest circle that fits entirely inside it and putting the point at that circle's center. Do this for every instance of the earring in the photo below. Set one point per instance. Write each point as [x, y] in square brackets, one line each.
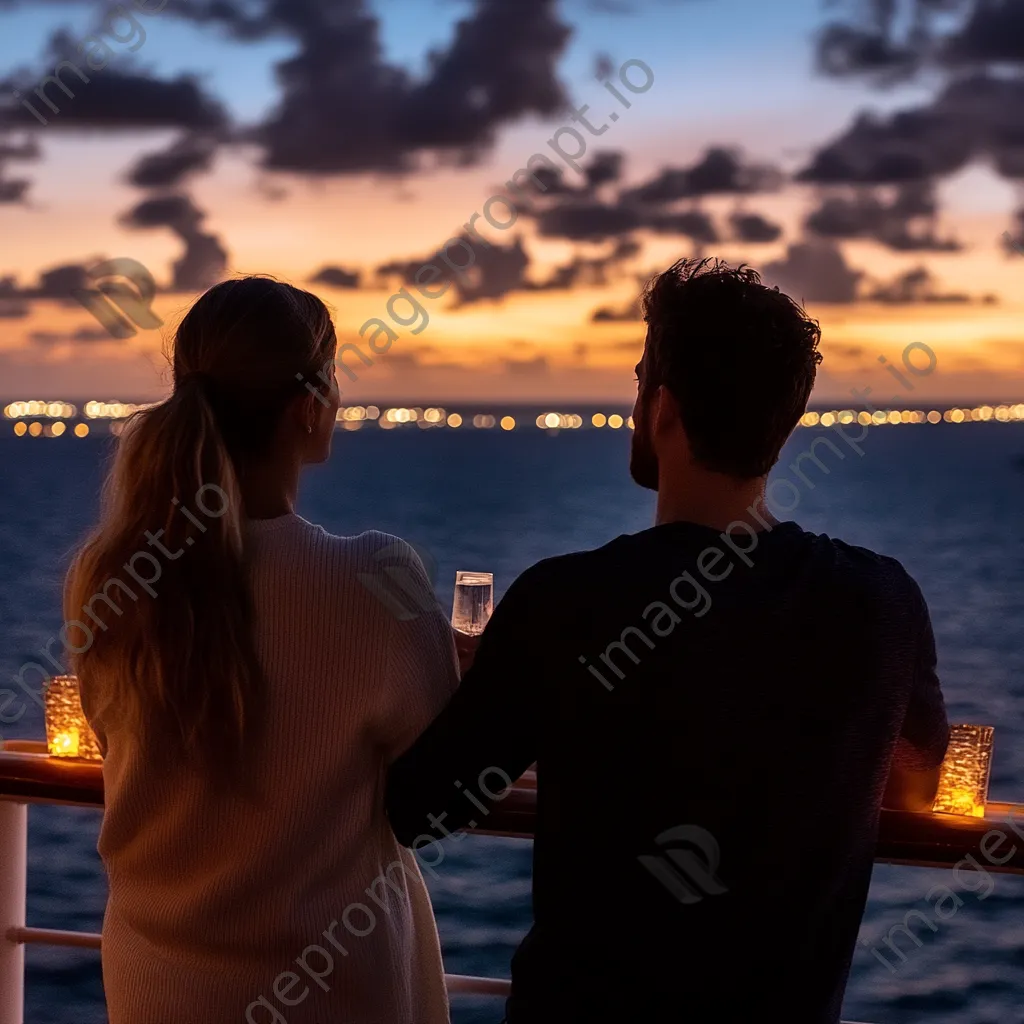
[309, 430]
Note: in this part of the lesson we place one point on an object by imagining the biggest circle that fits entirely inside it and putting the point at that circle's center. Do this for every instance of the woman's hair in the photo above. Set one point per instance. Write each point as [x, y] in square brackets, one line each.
[158, 593]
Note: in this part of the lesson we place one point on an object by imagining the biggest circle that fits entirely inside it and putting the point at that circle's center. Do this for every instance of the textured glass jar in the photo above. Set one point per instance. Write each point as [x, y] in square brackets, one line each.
[67, 732]
[963, 781]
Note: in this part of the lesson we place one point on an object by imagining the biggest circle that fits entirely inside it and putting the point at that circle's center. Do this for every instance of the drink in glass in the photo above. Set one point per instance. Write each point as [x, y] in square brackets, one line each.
[474, 601]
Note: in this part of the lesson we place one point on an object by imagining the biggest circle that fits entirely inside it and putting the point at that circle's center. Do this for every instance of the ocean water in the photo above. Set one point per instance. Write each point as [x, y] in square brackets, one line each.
[946, 500]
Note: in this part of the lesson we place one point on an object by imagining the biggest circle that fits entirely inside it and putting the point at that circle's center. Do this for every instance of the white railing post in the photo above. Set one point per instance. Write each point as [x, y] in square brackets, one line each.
[13, 887]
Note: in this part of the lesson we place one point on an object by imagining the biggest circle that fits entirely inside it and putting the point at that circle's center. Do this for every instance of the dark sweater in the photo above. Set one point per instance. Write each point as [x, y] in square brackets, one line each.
[713, 724]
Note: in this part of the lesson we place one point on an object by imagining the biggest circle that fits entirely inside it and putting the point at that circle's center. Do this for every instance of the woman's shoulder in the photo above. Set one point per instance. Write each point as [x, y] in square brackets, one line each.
[368, 551]
[383, 569]
[371, 547]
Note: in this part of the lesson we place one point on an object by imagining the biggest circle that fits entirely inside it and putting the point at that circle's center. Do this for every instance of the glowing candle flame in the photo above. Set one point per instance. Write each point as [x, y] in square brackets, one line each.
[963, 781]
[67, 731]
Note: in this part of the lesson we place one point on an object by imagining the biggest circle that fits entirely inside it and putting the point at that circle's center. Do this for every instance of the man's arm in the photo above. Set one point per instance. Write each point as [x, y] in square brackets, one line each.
[914, 775]
[911, 790]
[485, 738]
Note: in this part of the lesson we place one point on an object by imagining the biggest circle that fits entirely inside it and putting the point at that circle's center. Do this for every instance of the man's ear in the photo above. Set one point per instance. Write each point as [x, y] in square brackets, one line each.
[666, 418]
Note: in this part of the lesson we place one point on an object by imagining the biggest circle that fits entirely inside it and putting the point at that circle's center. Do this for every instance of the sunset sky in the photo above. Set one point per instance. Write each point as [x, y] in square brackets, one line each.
[297, 147]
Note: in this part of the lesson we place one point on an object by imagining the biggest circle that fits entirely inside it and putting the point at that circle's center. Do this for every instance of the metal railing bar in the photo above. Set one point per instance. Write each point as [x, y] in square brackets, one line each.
[53, 937]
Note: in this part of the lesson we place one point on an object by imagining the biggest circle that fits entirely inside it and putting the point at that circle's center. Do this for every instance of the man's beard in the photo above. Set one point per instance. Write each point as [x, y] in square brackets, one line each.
[643, 463]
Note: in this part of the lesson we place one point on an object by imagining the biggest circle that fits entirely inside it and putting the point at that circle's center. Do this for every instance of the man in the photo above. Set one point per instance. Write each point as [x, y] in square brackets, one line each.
[715, 706]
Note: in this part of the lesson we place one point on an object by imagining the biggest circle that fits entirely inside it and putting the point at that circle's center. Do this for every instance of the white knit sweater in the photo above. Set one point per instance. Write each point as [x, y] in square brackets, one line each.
[302, 909]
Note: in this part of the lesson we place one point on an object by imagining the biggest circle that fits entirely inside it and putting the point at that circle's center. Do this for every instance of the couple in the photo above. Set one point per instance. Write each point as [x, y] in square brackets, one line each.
[717, 706]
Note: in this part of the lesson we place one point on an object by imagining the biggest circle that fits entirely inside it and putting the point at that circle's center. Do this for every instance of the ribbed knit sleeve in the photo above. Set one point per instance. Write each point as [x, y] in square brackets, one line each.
[421, 665]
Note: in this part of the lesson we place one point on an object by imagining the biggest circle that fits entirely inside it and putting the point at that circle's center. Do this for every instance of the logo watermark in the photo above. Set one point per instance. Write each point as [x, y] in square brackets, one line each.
[687, 865]
[122, 298]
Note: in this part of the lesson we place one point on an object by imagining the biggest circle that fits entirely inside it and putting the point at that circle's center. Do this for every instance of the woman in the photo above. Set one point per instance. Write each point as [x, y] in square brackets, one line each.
[249, 689]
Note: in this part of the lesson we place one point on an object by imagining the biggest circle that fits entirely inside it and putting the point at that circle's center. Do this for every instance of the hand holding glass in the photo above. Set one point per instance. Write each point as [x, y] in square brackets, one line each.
[474, 601]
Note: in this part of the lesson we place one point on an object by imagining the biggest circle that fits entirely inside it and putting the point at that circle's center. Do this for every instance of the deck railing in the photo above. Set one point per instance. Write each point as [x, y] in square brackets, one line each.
[29, 776]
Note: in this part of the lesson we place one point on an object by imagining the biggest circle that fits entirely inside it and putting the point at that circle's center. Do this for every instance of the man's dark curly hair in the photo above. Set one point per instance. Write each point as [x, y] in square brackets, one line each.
[740, 359]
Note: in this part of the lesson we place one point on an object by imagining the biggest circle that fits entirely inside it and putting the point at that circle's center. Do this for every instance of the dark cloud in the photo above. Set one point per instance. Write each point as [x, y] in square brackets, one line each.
[994, 33]
[491, 273]
[609, 315]
[204, 261]
[536, 367]
[336, 277]
[910, 146]
[84, 335]
[752, 227]
[604, 66]
[576, 214]
[814, 272]
[693, 224]
[548, 179]
[589, 220]
[818, 272]
[13, 190]
[11, 307]
[918, 286]
[174, 211]
[591, 271]
[27, 149]
[169, 167]
[719, 172]
[108, 99]
[845, 50]
[1014, 243]
[604, 169]
[57, 284]
[906, 222]
[974, 49]
[61, 282]
[494, 272]
[849, 351]
[887, 39]
[345, 109]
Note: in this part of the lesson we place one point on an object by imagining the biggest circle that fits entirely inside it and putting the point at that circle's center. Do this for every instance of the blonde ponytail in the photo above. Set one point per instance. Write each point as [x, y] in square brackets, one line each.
[160, 619]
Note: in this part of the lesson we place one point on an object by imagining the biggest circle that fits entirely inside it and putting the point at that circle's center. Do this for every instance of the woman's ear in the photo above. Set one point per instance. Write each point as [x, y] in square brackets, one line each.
[301, 415]
[309, 414]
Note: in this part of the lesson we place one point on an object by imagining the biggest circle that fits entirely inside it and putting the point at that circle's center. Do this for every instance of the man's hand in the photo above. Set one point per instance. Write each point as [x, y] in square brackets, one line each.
[911, 791]
[466, 647]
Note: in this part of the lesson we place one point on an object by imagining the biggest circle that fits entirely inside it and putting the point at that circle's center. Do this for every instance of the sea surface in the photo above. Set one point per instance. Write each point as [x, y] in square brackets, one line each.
[946, 500]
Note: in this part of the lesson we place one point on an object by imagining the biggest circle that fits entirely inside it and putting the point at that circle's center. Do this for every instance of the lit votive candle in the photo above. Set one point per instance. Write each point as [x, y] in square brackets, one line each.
[67, 732]
[963, 780]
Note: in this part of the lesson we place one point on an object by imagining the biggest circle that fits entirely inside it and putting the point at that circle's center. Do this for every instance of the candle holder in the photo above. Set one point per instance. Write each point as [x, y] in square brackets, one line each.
[68, 734]
[964, 778]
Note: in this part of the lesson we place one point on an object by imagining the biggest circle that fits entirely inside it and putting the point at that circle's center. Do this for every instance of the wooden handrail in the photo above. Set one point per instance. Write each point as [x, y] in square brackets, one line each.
[28, 775]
